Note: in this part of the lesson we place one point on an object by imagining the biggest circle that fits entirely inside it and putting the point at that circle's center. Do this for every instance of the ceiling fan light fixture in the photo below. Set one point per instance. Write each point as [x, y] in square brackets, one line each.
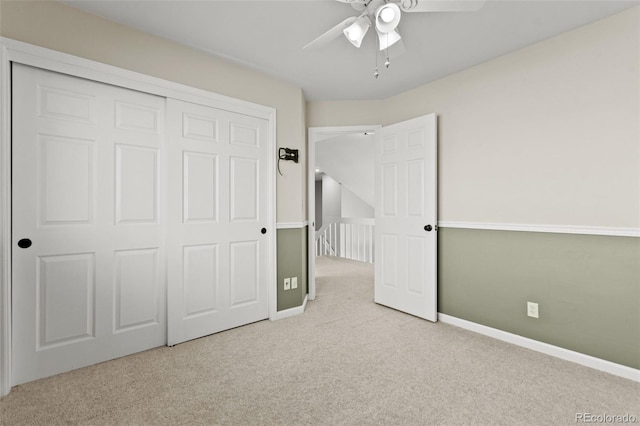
[388, 39]
[387, 14]
[387, 17]
[355, 32]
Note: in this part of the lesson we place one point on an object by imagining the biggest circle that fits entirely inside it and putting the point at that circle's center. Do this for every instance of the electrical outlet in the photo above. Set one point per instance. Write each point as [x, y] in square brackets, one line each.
[287, 283]
[294, 283]
[532, 309]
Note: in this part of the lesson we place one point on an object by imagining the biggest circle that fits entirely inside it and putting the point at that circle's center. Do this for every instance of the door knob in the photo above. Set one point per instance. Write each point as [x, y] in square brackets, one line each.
[263, 230]
[428, 228]
[24, 243]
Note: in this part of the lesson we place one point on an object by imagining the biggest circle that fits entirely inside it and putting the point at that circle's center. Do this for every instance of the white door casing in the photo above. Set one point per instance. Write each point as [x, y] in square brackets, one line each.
[87, 193]
[218, 220]
[406, 217]
[16, 52]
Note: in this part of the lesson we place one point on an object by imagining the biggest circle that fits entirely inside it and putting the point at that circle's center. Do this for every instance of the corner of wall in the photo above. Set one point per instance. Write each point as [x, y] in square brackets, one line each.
[292, 262]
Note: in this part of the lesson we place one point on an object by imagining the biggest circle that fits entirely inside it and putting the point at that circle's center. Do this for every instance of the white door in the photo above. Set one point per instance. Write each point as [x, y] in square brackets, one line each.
[86, 193]
[219, 233]
[406, 217]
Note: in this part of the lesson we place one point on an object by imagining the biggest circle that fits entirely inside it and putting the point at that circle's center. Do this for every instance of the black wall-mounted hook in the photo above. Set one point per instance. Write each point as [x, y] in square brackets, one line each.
[287, 154]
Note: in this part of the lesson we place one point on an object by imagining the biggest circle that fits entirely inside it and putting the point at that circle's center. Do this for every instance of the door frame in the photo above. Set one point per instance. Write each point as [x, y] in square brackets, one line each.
[28, 54]
[315, 135]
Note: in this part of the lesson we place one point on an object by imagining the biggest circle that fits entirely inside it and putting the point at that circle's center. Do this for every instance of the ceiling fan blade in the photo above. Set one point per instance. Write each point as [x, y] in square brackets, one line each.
[441, 5]
[330, 35]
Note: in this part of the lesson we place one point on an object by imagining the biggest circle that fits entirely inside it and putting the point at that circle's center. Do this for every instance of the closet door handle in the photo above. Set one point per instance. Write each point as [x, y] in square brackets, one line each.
[263, 230]
[428, 228]
[24, 243]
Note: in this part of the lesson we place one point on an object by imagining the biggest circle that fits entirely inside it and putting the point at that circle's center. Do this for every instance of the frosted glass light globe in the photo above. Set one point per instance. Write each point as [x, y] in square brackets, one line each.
[387, 14]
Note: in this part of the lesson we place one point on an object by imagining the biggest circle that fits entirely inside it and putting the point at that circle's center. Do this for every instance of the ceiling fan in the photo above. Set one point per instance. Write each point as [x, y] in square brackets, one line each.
[384, 16]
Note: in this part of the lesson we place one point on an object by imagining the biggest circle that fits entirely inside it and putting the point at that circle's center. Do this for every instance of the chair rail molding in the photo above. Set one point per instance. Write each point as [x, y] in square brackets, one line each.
[555, 229]
[292, 225]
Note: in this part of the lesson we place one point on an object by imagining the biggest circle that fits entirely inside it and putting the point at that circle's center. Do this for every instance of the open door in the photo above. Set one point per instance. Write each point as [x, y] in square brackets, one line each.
[406, 217]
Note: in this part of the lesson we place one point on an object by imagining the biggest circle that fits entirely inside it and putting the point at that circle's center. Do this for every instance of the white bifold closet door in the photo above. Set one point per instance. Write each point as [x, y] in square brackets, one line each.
[86, 194]
[218, 234]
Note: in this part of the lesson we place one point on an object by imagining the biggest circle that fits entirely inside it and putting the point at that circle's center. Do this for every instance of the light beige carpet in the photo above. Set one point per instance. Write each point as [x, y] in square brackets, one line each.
[345, 361]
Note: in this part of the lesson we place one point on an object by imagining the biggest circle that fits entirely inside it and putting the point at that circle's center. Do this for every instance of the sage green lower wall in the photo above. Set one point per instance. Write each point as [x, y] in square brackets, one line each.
[587, 287]
[292, 262]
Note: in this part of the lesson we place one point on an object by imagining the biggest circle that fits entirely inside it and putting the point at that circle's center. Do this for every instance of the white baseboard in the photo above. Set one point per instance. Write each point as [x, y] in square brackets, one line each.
[545, 348]
[292, 311]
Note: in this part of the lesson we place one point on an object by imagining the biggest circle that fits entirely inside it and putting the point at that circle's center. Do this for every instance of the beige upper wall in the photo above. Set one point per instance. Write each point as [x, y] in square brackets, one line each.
[343, 113]
[294, 176]
[59, 27]
[549, 134]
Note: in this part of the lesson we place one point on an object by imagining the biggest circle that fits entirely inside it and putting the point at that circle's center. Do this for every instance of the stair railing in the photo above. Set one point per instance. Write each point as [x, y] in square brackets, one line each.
[350, 238]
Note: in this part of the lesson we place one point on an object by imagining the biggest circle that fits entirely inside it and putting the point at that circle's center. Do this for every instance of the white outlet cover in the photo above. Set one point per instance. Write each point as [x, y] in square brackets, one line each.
[532, 309]
[294, 282]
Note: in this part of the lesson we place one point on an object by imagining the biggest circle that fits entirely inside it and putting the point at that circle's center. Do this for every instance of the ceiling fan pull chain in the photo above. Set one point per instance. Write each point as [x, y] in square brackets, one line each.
[376, 74]
[386, 52]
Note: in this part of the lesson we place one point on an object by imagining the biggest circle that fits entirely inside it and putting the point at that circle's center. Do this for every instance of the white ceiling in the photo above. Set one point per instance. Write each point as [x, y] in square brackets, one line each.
[268, 35]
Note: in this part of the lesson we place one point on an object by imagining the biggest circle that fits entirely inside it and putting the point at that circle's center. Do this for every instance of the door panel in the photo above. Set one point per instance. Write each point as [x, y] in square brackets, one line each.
[136, 289]
[415, 188]
[246, 134]
[405, 269]
[415, 265]
[200, 200]
[201, 279]
[389, 260]
[389, 191]
[69, 281]
[137, 117]
[86, 191]
[137, 184]
[244, 272]
[244, 189]
[199, 127]
[66, 189]
[66, 104]
[218, 256]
